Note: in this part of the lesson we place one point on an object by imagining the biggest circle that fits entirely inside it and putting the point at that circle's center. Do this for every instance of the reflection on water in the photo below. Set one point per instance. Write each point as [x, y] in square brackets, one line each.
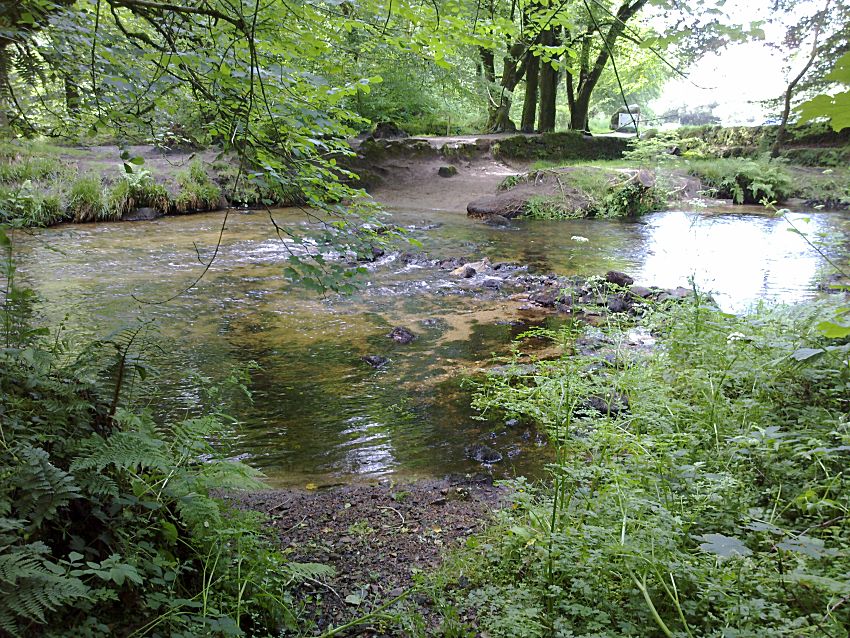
[319, 412]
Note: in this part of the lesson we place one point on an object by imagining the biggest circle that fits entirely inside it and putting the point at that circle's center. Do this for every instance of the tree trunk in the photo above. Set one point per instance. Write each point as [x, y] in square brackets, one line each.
[499, 97]
[548, 86]
[529, 106]
[789, 92]
[72, 96]
[4, 87]
[580, 113]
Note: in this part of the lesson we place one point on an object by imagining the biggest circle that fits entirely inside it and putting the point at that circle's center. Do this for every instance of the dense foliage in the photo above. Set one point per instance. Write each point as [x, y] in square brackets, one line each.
[711, 498]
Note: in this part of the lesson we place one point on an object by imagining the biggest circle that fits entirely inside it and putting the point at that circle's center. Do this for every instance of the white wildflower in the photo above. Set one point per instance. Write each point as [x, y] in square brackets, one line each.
[736, 336]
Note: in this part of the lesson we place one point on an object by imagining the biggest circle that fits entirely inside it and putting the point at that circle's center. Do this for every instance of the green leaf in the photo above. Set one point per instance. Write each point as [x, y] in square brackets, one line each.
[833, 330]
[723, 546]
[804, 354]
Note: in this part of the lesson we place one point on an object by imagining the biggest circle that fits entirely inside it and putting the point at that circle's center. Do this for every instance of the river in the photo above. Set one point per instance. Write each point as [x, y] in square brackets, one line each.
[320, 414]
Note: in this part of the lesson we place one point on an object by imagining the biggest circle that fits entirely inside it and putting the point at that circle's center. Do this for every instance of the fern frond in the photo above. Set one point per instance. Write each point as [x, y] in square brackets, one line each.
[40, 487]
[134, 451]
[301, 572]
[30, 586]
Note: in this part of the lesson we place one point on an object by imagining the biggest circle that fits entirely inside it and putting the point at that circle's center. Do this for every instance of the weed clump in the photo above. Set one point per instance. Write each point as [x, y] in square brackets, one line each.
[136, 190]
[745, 181]
[85, 200]
[197, 191]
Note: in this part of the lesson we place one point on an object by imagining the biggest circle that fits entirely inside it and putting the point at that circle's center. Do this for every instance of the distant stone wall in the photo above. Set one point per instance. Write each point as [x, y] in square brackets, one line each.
[810, 144]
[568, 145]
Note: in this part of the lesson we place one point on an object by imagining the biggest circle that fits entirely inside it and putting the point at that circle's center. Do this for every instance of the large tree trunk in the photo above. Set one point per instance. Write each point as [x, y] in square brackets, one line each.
[548, 86]
[589, 75]
[499, 97]
[529, 106]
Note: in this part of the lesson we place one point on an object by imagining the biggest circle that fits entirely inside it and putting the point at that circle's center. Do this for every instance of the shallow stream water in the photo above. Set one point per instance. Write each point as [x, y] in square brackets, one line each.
[322, 415]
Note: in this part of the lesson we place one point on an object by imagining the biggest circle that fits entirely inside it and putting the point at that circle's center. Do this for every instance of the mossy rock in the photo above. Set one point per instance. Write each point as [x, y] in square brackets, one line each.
[567, 145]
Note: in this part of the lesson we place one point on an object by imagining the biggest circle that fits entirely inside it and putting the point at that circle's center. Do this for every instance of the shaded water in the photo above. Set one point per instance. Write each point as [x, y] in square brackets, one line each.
[320, 414]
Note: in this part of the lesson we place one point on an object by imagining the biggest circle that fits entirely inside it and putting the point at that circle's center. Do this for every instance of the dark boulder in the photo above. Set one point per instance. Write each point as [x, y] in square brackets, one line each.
[641, 292]
[508, 205]
[388, 131]
[618, 303]
[613, 404]
[483, 454]
[401, 335]
[447, 171]
[618, 278]
[141, 215]
[497, 220]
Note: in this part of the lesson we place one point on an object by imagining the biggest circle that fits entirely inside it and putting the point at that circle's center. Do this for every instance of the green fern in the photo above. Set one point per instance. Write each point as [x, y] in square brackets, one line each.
[40, 488]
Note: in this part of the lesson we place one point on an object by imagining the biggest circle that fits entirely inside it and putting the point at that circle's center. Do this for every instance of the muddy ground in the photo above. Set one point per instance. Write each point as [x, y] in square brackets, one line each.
[377, 537]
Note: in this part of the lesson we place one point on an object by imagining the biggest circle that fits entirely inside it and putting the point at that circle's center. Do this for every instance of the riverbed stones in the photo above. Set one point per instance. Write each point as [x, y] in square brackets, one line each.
[483, 454]
[447, 171]
[641, 292]
[401, 335]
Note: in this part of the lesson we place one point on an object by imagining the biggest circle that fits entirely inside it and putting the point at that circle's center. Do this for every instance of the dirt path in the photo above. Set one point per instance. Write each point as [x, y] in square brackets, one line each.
[377, 537]
[413, 183]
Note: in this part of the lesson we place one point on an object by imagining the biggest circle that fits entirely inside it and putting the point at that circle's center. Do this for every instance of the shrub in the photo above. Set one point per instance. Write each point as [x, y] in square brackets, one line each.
[714, 504]
[85, 200]
[743, 180]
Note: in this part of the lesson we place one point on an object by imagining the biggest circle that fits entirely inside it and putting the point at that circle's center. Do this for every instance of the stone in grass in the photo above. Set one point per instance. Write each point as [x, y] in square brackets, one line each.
[375, 360]
[401, 335]
[447, 171]
[612, 404]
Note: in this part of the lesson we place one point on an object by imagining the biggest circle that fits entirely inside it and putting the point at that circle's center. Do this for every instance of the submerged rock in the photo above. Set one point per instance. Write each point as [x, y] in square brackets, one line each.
[401, 335]
[375, 360]
[483, 454]
[447, 171]
[497, 220]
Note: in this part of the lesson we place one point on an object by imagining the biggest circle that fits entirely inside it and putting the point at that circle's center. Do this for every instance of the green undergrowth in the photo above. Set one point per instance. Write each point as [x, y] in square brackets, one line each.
[588, 191]
[108, 526]
[745, 181]
[40, 187]
[716, 504]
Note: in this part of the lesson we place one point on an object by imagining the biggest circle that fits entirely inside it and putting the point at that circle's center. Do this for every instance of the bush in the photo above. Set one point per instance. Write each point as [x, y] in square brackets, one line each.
[744, 181]
[85, 200]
